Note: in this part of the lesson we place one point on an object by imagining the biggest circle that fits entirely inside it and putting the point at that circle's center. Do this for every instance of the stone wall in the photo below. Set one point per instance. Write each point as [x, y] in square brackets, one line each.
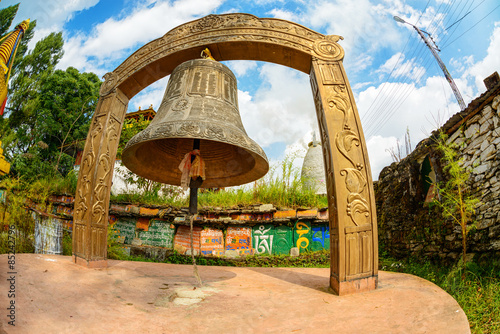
[409, 224]
[260, 229]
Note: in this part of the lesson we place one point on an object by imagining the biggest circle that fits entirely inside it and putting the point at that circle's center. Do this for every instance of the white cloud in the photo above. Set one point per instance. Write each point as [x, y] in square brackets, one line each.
[50, 15]
[241, 67]
[365, 27]
[378, 153]
[152, 94]
[489, 64]
[421, 109]
[282, 109]
[115, 38]
[283, 14]
[402, 69]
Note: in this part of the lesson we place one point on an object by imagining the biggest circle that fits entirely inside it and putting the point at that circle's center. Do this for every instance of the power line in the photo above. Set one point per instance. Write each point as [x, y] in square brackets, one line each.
[471, 27]
[390, 97]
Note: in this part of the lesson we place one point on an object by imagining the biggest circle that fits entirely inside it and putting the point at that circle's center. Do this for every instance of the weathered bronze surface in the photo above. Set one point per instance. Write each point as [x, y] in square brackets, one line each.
[200, 102]
[353, 223]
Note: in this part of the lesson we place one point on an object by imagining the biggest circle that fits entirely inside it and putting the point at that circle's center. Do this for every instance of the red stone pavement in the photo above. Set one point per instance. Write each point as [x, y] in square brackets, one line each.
[53, 295]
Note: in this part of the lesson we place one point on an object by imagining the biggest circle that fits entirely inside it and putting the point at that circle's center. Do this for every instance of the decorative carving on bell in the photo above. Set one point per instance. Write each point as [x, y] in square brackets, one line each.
[200, 102]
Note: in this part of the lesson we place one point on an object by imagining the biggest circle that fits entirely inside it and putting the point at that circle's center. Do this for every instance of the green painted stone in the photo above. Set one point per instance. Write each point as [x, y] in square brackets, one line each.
[302, 236]
[283, 240]
[263, 238]
[320, 238]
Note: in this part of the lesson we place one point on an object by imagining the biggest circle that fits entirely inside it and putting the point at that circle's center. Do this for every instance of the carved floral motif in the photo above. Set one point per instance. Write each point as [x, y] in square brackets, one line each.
[110, 81]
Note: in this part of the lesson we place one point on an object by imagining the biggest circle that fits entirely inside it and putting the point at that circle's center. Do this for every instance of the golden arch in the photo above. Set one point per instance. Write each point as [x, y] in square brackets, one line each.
[353, 225]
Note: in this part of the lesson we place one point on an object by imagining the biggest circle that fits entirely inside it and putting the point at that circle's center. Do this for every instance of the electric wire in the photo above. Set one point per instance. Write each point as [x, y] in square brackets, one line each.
[379, 113]
[471, 27]
[374, 114]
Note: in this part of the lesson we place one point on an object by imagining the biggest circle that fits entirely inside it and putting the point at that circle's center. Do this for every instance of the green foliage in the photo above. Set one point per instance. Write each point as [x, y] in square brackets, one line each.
[6, 17]
[319, 259]
[67, 243]
[14, 211]
[479, 296]
[131, 127]
[456, 199]
[50, 126]
[19, 131]
[285, 189]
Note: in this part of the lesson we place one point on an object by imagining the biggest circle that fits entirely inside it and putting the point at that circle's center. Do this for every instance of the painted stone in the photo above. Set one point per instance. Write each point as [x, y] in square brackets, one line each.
[182, 239]
[302, 236]
[159, 234]
[283, 240]
[212, 242]
[125, 229]
[263, 237]
[320, 239]
[239, 240]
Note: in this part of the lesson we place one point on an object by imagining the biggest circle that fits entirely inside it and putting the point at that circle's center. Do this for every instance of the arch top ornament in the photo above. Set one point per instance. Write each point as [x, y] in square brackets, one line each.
[229, 37]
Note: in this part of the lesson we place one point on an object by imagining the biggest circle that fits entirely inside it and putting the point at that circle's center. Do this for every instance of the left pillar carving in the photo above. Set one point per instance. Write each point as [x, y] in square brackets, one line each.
[90, 219]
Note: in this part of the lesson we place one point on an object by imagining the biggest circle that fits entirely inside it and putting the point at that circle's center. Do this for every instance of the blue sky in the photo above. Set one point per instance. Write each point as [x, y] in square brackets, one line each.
[396, 82]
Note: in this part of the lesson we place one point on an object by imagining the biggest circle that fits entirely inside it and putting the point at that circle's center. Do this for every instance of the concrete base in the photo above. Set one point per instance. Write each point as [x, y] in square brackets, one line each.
[55, 296]
[355, 286]
[90, 264]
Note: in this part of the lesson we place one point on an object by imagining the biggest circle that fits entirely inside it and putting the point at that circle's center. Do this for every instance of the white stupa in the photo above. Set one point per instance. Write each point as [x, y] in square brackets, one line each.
[313, 168]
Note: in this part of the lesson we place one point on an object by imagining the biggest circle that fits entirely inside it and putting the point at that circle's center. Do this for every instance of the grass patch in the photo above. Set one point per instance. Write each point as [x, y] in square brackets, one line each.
[478, 294]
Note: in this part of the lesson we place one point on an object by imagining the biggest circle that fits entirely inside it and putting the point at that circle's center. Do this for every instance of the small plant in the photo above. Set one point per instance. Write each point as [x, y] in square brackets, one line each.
[456, 199]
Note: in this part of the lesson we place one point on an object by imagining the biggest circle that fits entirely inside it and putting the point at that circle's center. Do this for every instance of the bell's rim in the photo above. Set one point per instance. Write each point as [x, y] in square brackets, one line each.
[259, 166]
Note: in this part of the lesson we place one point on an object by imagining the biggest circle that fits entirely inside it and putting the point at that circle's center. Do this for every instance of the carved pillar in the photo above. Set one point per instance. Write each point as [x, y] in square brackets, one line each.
[90, 219]
[351, 202]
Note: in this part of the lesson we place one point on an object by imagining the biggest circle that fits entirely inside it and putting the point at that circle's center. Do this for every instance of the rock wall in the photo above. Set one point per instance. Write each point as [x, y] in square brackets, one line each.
[409, 224]
[260, 229]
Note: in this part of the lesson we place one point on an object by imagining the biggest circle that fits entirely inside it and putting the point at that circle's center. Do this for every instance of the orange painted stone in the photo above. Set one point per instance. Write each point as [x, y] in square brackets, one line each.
[285, 214]
[307, 213]
[239, 239]
[142, 224]
[182, 239]
[243, 216]
[148, 212]
[212, 242]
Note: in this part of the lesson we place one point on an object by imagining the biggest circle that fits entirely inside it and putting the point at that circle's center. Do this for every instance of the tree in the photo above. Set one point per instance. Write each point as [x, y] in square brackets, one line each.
[456, 199]
[17, 132]
[62, 108]
[65, 104]
[6, 17]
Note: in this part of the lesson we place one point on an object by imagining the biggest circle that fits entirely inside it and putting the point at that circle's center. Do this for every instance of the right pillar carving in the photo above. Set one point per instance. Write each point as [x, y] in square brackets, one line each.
[351, 202]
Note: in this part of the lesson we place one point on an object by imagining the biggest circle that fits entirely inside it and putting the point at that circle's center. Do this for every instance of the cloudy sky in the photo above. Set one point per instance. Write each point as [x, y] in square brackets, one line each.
[397, 84]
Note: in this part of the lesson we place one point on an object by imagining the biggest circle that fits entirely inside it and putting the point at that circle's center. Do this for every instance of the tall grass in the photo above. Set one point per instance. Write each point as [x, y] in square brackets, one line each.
[282, 186]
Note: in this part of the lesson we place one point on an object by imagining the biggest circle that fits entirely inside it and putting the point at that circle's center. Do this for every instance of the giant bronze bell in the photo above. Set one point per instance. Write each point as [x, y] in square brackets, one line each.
[200, 103]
